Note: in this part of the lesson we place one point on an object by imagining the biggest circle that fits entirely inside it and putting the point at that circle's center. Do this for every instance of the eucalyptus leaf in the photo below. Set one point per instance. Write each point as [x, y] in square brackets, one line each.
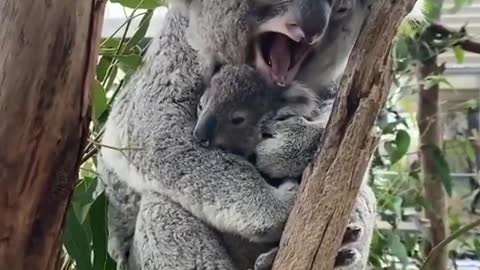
[98, 225]
[140, 4]
[129, 63]
[441, 167]
[76, 242]
[459, 54]
[102, 67]
[401, 145]
[99, 100]
[398, 249]
[433, 9]
[139, 35]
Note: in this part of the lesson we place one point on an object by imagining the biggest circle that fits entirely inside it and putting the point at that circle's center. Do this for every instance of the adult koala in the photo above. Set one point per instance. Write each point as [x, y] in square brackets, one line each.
[194, 201]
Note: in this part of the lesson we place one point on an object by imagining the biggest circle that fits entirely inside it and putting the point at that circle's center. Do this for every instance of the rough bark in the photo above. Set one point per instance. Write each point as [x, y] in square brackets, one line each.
[317, 222]
[48, 53]
[428, 119]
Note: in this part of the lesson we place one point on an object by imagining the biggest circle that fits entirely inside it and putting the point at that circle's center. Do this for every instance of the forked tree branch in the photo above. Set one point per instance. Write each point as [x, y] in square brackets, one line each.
[466, 43]
[317, 222]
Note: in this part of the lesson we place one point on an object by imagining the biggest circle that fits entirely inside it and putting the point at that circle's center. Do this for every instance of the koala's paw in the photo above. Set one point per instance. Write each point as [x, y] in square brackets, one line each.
[352, 233]
[265, 260]
[288, 145]
[348, 254]
[270, 230]
[289, 187]
[288, 191]
[346, 257]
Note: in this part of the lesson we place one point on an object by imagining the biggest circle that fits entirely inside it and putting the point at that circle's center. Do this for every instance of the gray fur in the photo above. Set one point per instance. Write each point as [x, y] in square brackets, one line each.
[228, 44]
[236, 213]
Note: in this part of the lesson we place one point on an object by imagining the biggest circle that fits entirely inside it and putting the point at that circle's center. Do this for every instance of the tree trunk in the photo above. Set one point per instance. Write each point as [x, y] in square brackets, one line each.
[431, 135]
[48, 54]
[313, 233]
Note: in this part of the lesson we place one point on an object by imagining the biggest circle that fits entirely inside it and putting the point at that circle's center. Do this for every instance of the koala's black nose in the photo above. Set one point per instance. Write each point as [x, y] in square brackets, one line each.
[205, 142]
[204, 131]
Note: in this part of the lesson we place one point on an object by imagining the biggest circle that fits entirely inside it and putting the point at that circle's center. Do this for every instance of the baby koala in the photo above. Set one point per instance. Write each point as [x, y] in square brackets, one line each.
[238, 101]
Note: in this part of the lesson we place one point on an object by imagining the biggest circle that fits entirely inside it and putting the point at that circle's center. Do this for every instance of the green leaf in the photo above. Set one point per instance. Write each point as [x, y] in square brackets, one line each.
[76, 242]
[102, 67]
[441, 167]
[397, 248]
[476, 244]
[141, 31]
[141, 4]
[397, 206]
[100, 102]
[111, 78]
[433, 9]
[472, 104]
[470, 151]
[81, 211]
[402, 143]
[129, 63]
[98, 224]
[110, 43]
[433, 80]
[459, 54]
[83, 197]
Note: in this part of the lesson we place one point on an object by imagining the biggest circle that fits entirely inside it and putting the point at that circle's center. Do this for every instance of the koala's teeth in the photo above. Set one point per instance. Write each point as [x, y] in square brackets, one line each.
[281, 84]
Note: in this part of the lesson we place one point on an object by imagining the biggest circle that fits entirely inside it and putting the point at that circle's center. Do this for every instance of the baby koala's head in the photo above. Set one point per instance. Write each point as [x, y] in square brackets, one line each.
[237, 102]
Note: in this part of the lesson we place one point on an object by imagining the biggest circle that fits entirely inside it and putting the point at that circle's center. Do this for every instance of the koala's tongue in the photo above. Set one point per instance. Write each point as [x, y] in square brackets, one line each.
[280, 57]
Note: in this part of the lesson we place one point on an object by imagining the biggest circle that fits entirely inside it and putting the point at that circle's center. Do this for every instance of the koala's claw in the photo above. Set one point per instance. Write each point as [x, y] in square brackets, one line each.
[265, 260]
[352, 233]
[346, 257]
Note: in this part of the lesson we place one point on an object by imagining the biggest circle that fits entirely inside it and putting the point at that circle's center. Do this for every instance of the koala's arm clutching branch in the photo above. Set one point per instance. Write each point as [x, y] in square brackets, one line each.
[332, 184]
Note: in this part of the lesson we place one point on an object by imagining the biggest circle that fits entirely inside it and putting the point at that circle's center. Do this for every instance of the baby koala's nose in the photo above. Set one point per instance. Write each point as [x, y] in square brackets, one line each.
[204, 131]
[201, 139]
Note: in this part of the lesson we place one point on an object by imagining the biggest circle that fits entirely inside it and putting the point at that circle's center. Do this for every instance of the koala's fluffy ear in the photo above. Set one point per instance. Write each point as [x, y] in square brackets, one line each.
[296, 100]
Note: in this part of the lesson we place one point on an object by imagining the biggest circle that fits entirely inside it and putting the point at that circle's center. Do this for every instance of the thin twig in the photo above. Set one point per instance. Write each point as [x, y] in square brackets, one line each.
[113, 147]
[120, 28]
[447, 241]
[88, 155]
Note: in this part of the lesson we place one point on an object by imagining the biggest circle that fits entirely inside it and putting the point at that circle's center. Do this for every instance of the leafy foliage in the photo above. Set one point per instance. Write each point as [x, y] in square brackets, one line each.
[86, 232]
[397, 179]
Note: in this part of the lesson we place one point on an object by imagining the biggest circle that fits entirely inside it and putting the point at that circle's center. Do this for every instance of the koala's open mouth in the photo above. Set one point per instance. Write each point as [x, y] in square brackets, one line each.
[278, 57]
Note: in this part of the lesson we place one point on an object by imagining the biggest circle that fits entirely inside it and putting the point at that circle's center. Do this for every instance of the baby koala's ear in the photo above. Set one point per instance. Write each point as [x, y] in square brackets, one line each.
[296, 100]
[209, 66]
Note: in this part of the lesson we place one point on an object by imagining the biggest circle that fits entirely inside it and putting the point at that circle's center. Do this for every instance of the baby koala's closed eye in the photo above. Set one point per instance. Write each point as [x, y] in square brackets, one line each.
[237, 102]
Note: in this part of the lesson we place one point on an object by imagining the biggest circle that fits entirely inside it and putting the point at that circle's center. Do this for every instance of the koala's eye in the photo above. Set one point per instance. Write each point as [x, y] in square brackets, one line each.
[238, 120]
[342, 10]
[239, 117]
